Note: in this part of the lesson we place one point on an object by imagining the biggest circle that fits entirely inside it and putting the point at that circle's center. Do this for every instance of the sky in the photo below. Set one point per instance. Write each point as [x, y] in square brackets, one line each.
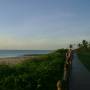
[43, 24]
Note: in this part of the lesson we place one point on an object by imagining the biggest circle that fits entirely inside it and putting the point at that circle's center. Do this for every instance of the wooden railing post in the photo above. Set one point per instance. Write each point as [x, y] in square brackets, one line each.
[66, 76]
[64, 85]
[59, 85]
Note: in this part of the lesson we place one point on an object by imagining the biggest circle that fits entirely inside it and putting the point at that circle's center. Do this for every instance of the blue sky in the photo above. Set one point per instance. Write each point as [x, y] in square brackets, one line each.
[43, 24]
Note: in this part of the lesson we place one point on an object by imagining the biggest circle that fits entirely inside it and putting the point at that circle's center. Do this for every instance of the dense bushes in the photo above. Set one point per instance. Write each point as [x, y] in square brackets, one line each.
[33, 75]
[84, 57]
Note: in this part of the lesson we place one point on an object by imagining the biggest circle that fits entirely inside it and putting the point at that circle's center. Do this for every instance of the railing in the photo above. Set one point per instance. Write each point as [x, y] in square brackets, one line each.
[64, 83]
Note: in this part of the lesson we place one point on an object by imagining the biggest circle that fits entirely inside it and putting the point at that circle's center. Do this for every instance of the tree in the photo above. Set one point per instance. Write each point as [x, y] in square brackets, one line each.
[85, 44]
[89, 45]
[80, 45]
[70, 46]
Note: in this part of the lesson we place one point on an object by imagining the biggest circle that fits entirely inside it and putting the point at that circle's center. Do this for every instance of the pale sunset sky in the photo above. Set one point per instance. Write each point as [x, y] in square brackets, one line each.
[43, 24]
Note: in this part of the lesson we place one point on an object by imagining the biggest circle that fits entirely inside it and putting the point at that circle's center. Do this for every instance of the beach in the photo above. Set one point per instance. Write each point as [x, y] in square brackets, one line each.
[17, 56]
[15, 60]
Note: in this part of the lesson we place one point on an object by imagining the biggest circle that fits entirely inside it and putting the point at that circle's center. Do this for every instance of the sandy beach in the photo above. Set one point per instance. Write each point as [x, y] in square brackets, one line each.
[14, 60]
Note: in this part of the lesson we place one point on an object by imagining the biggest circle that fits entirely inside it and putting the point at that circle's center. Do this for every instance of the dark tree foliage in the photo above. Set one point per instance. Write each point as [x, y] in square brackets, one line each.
[85, 44]
[70, 46]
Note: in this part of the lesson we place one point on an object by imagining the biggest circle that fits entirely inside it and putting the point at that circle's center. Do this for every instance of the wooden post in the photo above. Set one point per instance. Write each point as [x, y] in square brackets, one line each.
[59, 85]
[65, 72]
[66, 77]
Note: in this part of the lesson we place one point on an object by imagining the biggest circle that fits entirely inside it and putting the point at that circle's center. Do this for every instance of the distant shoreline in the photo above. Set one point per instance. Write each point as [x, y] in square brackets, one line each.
[20, 53]
[17, 56]
[18, 59]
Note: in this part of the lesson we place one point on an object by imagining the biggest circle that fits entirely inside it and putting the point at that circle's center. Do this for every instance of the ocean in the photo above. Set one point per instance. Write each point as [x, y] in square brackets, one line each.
[17, 53]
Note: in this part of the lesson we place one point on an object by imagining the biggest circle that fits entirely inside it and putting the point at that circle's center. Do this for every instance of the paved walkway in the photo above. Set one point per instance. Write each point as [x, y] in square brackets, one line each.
[80, 77]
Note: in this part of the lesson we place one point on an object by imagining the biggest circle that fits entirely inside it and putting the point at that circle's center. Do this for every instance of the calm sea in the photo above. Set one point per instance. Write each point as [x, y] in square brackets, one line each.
[16, 53]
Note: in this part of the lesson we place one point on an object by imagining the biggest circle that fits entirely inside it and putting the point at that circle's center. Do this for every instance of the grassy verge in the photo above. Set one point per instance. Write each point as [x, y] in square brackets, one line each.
[39, 74]
[84, 57]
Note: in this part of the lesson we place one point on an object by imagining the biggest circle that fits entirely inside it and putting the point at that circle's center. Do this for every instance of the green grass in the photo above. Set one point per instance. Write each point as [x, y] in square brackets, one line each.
[39, 74]
[84, 57]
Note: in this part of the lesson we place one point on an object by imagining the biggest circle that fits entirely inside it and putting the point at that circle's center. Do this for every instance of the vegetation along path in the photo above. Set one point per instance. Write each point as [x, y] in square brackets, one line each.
[80, 76]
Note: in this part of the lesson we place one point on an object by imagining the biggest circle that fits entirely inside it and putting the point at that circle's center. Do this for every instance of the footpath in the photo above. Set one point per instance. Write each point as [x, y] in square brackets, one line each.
[80, 76]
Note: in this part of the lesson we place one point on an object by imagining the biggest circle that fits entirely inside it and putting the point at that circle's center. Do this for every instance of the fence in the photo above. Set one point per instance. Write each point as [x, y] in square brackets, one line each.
[64, 83]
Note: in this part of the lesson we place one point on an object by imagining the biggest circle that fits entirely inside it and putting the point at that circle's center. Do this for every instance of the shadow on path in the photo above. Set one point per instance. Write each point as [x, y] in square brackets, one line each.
[80, 76]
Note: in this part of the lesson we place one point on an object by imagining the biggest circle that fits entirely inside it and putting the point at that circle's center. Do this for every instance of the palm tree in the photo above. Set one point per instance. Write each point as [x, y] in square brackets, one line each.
[80, 45]
[85, 44]
[71, 46]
